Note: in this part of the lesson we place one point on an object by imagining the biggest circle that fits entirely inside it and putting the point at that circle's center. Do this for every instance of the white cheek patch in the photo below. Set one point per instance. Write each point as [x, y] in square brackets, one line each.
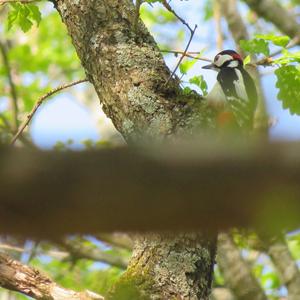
[222, 59]
[233, 64]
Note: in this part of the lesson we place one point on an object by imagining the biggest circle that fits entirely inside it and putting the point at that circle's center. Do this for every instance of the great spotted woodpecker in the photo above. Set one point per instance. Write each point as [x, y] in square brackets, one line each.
[235, 90]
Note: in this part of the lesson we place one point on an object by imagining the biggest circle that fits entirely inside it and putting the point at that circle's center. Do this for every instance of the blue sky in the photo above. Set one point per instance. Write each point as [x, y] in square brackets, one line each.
[63, 118]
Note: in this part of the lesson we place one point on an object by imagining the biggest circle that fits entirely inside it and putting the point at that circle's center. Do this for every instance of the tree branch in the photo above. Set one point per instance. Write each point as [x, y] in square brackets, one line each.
[28, 281]
[121, 240]
[235, 22]
[275, 13]
[183, 54]
[76, 250]
[218, 25]
[166, 4]
[286, 266]
[236, 272]
[133, 190]
[79, 251]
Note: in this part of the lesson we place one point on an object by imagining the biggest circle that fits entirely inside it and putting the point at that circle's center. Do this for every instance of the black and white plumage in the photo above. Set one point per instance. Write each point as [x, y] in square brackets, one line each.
[235, 89]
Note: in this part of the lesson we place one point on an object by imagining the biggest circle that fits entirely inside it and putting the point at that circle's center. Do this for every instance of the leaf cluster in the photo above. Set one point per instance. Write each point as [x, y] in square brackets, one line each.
[23, 15]
[288, 75]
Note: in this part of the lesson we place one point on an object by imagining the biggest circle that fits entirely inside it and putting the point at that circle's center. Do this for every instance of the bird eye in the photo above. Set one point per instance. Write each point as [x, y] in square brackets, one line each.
[216, 58]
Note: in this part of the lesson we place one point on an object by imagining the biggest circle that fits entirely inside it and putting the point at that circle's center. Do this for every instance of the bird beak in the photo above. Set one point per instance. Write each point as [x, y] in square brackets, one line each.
[210, 67]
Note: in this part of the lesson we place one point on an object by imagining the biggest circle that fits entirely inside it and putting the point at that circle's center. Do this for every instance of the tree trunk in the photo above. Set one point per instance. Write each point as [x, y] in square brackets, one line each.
[128, 71]
[169, 267]
[123, 63]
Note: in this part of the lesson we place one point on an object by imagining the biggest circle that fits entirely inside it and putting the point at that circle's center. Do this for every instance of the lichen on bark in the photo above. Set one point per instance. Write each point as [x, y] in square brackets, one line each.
[169, 267]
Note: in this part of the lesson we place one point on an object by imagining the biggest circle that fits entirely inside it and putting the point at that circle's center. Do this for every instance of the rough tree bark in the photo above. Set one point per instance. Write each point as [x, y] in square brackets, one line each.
[127, 70]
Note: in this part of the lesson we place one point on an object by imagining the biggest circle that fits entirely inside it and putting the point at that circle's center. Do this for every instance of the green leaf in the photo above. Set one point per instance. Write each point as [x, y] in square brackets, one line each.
[11, 18]
[294, 246]
[156, 16]
[187, 91]
[23, 15]
[280, 41]
[35, 13]
[186, 65]
[208, 10]
[200, 82]
[288, 57]
[12, 15]
[255, 46]
[25, 23]
[247, 60]
[288, 83]
[270, 280]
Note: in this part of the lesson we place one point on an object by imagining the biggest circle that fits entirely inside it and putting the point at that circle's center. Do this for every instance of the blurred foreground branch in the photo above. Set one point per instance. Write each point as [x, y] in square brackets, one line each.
[211, 186]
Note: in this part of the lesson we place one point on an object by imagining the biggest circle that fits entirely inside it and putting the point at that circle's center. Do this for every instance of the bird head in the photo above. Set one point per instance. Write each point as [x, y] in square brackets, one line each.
[226, 58]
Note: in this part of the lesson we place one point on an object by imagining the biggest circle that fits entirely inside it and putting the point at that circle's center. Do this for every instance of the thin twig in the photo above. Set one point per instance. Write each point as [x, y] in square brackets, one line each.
[13, 90]
[38, 103]
[187, 54]
[183, 55]
[7, 126]
[264, 61]
[268, 60]
[53, 253]
[170, 9]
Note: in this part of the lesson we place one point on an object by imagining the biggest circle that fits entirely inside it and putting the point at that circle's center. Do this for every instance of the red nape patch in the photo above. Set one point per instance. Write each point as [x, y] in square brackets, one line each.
[237, 56]
[225, 118]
